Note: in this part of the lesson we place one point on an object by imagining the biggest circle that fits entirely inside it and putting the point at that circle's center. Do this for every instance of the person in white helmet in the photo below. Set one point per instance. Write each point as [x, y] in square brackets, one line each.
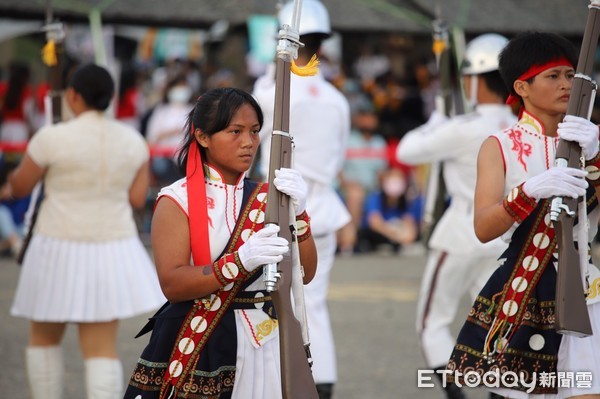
[458, 263]
[320, 127]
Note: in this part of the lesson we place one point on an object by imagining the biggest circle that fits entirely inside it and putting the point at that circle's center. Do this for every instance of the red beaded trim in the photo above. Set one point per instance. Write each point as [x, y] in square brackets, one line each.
[229, 268]
[593, 168]
[518, 204]
[303, 227]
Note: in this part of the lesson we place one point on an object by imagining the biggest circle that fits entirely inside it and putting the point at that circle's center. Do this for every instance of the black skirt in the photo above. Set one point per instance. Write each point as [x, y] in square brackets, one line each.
[214, 372]
[532, 343]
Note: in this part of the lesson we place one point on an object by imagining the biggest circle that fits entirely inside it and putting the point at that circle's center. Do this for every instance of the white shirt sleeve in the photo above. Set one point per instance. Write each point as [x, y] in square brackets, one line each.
[425, 144]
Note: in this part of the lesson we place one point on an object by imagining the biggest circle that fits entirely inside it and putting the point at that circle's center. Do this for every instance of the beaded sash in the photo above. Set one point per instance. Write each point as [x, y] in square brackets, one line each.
[533, 259]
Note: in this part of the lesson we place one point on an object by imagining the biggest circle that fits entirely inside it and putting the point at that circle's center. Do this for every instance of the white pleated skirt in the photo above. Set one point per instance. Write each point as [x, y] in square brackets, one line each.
[72, 281]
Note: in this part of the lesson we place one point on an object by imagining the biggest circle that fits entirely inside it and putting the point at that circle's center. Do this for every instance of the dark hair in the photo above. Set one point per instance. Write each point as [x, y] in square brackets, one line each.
[533, 48]
[94, 84]
[18, 78]
[495, 83]
[128, 79]
[212, 113]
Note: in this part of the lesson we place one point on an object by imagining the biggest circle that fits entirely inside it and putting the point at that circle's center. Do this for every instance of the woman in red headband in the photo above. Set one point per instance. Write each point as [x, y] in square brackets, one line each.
[510, 328]
[218, 335]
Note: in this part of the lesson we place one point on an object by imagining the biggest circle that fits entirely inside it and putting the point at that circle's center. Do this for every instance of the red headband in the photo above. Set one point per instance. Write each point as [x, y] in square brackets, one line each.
[535, 70]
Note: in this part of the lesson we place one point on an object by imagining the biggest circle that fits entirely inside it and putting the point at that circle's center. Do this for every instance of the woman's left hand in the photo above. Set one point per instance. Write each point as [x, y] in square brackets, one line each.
[290, 182]
[582, 131]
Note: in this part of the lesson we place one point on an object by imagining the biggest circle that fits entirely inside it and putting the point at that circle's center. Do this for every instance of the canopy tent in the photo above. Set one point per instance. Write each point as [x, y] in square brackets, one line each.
[409, 16]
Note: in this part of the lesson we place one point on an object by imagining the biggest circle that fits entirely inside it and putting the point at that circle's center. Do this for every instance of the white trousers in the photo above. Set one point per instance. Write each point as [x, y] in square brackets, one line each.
[322, 345]
[446, 279]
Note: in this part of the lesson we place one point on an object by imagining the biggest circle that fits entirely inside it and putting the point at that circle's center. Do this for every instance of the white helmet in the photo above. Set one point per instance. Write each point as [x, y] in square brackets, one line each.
[314, 18]
[482, 53]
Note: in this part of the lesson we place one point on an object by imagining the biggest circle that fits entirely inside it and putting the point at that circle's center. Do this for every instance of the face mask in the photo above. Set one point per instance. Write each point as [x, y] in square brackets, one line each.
[394, 186]
[179, 95]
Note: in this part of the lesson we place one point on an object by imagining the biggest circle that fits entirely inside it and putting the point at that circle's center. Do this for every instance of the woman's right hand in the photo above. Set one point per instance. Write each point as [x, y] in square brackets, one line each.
[557, 182]
[262, 248]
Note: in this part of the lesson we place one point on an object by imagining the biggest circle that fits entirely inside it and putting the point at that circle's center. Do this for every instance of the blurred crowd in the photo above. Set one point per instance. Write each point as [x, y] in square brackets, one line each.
[383, 196]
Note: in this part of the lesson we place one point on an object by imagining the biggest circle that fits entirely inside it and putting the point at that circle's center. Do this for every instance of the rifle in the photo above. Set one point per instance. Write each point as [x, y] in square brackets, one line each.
[572, 316]
[448, 102]
[52, 55]
[296, 376]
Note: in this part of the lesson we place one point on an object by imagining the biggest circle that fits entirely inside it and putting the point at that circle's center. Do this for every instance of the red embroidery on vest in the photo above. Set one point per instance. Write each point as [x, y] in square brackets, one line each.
[522, 149]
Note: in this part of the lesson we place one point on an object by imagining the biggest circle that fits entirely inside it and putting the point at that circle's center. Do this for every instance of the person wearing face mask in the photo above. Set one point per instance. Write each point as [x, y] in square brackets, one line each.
[391, 216]
[458, 263]
[365, 159]
[164, 128]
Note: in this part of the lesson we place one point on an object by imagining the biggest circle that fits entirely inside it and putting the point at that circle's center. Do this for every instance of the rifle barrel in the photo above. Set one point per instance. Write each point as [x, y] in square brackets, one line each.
[572, 316]
[296, 376]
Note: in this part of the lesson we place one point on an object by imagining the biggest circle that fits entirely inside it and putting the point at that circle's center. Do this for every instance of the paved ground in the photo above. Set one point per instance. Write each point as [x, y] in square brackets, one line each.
[372, 303]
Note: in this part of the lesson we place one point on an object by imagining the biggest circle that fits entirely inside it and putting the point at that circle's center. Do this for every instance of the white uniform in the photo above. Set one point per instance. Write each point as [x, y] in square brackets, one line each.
[458, 262]
[320, 127]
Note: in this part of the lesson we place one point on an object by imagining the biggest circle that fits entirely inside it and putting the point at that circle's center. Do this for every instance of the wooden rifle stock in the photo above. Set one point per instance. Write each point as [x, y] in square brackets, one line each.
[572, 316]
[296, 376]
[570, 307]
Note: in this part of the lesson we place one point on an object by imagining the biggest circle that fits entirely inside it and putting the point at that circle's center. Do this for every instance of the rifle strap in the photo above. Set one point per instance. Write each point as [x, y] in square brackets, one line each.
[207, 312]
[532, 260]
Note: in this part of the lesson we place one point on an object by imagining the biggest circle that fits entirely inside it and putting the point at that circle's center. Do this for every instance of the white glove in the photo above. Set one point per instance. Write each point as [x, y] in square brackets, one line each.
[263, 247]
[582, 131]
[290, 182]
[557, 182]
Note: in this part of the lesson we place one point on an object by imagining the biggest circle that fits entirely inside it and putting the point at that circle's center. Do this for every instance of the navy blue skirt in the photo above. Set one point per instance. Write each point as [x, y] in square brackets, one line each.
[532, 343]
[214, 372]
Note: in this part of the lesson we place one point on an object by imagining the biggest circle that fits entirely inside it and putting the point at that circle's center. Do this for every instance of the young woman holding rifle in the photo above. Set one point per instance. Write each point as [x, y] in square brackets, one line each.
[218, 335]
[511, 327]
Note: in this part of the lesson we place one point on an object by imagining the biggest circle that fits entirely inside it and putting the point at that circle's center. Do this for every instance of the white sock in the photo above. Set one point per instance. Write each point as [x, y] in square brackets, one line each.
[104, 378]
[45, 371]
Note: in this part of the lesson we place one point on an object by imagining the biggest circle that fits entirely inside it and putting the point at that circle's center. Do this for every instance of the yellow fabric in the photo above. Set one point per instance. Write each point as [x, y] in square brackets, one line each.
[438, 47]
[310, 69]
[49, 53]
